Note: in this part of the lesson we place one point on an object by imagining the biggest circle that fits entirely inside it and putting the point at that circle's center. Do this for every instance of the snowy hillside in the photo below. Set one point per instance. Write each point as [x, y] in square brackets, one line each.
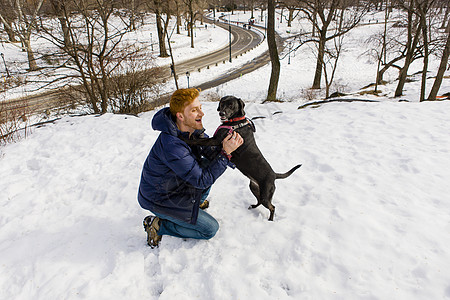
[367, 216]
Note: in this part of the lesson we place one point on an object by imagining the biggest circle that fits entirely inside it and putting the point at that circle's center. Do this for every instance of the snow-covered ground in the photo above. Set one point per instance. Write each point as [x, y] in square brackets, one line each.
[367, 216]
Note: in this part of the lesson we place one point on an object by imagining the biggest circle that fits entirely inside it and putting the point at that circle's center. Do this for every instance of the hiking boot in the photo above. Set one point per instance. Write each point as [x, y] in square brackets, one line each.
[151, 226]
[204, 205]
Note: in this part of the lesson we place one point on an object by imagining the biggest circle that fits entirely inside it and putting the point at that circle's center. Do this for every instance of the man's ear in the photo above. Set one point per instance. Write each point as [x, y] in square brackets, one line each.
[180, 116]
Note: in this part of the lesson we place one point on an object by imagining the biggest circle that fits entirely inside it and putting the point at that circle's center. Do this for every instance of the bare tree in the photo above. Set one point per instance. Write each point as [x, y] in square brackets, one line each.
[413, 35]
[382, 54]
[131, 88]
[7, 13]
[331, 58]
[273, 52]
[327, 11]
[442, 67]
[293, 11]
[95, 51]
[444, 4]
[160, 7]
[24, 15]
[178, 14]
[423, 10]
[194, 12]
[173, 65]
[252, 8]
[191, 19]
[391, 42]
[57, 9]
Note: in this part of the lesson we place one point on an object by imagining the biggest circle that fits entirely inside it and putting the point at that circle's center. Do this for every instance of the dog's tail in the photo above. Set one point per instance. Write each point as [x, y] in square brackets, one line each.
[288, 173]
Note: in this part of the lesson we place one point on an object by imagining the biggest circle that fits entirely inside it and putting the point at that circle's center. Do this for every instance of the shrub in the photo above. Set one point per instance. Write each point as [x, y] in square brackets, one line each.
[13, 121]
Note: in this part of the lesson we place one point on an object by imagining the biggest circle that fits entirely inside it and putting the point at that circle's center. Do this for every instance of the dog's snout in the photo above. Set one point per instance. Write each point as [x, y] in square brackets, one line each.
[221, 113]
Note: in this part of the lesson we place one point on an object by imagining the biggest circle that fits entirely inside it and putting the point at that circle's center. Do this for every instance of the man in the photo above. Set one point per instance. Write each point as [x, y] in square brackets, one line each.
[175, 178]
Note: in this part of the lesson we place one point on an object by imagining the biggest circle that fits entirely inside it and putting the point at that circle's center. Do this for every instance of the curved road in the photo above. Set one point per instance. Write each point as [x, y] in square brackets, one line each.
[243, 40]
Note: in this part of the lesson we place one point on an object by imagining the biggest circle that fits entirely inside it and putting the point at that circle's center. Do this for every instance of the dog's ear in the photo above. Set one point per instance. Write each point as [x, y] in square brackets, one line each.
[241, 107]
[220, 101]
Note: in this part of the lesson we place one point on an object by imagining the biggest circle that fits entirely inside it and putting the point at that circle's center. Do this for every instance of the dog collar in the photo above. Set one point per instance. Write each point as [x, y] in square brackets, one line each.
[232, 128]
[235, 119]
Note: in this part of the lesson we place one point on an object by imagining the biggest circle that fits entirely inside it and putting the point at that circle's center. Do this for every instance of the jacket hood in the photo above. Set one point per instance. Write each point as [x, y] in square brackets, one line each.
[163, 121]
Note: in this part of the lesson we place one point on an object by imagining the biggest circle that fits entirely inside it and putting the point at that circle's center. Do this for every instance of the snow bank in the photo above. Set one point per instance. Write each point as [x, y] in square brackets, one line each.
[367, 215]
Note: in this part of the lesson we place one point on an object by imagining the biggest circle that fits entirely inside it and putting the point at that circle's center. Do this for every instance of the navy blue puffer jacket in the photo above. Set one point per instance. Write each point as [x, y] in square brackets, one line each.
[172, 180]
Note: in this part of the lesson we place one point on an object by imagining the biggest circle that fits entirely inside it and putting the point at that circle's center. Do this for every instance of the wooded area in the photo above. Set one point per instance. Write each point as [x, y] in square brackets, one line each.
[96, 51]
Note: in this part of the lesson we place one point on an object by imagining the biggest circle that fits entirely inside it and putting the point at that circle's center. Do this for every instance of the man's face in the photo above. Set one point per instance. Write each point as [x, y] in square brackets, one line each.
[191, 117]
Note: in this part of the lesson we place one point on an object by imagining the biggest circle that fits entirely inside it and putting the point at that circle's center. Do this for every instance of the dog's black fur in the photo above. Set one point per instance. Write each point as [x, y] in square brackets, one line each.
[247, 158]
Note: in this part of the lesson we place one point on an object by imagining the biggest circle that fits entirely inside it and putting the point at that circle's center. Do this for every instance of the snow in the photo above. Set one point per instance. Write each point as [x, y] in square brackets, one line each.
[367, 216]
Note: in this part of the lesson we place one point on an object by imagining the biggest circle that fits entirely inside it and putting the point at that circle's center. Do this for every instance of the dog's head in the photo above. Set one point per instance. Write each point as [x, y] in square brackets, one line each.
[230, 107]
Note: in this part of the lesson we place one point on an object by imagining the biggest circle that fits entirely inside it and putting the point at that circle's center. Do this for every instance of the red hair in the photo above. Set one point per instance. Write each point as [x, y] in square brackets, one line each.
[182, 98]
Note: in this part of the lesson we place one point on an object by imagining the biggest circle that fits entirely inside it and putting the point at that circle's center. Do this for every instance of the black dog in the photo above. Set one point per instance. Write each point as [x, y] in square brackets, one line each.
[247, 158]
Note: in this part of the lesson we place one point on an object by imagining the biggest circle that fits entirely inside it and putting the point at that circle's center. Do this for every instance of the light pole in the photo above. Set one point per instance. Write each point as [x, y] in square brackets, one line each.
[290, 48]
[187, 76]
[6, 68]
[151, 40]
[265, 26]
[229, 28]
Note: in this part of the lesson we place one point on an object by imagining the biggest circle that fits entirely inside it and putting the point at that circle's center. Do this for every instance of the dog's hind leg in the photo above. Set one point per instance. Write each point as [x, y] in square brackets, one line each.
[266, 194]
[254, 187]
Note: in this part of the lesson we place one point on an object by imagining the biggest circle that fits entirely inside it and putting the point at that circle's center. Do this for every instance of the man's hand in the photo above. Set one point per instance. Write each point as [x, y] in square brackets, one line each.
[231, 142]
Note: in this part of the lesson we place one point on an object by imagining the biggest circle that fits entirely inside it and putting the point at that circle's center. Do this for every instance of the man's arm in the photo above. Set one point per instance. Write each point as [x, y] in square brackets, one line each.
[180, 159]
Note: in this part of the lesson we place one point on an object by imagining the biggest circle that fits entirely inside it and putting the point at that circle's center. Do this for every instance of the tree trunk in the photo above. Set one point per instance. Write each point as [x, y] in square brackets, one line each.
[313, 31]
[11, 34]
[291, 16]
[412, 44]
[133, 16]
[423, 22]
[160, 29]
[445, 17]
[273, 52]
[341, 19]
[382, 56]
[378, 79]
[162, 44]
[177, 8]
[173, 66]
[191, 16]
[59, 8]
[319, 62]
[103, 87]
[387, 66]
[442, 67]
[386, 17]
[32, 65]
[65, 31]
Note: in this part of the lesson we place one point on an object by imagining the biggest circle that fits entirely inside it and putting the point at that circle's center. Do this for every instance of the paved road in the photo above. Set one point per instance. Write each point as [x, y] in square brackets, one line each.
[243, 40]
